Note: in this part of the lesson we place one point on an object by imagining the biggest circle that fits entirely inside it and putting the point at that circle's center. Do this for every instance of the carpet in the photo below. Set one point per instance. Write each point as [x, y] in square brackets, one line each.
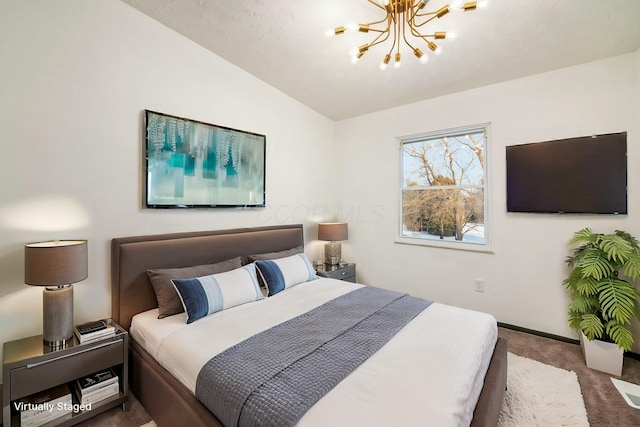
[541, 395]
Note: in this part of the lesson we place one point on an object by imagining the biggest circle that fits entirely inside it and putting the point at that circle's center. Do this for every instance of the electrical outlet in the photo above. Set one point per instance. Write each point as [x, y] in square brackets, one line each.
[479, 285]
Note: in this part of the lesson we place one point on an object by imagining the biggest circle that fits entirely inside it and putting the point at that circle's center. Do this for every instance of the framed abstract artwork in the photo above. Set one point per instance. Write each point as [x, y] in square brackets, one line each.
[191, 164]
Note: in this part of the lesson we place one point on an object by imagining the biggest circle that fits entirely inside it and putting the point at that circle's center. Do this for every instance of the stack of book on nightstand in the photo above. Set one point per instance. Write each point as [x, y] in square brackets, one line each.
[45, 407]
[96, 387]
[94, 330]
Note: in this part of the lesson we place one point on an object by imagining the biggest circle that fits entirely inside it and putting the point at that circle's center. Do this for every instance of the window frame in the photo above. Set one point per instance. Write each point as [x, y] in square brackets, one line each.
[446, 244]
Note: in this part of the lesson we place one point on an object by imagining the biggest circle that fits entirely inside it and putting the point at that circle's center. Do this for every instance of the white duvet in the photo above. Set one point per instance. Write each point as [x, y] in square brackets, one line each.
[429, 374]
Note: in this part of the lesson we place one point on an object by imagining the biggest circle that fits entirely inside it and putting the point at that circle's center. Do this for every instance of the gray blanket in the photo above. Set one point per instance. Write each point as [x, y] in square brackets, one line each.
[274, 377]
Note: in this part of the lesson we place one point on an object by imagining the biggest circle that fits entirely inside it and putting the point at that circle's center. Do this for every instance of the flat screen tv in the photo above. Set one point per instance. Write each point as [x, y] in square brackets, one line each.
[586, 175]
[192, 164]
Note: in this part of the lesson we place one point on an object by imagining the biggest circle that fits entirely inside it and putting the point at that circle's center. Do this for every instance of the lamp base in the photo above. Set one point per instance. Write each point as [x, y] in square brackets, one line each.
[57, 316]
[332, 253]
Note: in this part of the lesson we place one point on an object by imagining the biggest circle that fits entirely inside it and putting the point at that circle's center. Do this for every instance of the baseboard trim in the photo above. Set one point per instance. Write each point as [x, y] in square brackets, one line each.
[630, 354]
[538, 333]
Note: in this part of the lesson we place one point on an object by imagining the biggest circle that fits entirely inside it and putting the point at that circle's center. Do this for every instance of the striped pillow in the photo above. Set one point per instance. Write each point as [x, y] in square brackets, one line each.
[282, 273]
[205, 295]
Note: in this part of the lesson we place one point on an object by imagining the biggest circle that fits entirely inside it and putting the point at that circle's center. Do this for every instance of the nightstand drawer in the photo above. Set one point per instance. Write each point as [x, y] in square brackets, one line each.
[65, 366]
[347, 273]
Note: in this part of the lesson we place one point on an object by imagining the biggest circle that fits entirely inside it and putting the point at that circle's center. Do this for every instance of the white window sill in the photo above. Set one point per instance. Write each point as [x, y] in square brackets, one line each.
[458, 246]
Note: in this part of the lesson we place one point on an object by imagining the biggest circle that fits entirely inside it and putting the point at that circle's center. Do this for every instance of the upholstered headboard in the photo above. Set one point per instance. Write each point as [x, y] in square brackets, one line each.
[131, 257]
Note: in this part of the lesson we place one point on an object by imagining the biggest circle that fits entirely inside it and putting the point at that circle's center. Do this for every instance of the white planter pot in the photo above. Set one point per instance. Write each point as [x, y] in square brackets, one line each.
[603, 356]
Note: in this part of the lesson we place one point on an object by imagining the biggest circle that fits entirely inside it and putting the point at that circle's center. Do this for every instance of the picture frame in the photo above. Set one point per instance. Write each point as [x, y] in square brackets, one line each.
[193, 164]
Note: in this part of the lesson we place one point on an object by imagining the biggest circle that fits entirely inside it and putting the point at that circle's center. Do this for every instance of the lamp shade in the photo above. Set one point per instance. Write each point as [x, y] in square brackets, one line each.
[55, 263]
[333, 231]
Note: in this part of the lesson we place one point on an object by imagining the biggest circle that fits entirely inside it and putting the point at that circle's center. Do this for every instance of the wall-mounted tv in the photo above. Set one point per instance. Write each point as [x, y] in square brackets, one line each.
[192, 164]
[577, 175]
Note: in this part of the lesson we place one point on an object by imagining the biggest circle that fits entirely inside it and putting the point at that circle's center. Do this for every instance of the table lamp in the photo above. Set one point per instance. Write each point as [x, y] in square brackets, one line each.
[56, 265]
[333, 232]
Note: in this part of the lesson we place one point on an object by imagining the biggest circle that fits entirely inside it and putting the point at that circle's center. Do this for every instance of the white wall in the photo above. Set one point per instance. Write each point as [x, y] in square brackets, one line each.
[524, 274]
[75, 77]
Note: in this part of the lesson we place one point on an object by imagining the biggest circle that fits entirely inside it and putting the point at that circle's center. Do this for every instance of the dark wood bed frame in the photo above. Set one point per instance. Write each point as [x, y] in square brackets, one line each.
[164, 397]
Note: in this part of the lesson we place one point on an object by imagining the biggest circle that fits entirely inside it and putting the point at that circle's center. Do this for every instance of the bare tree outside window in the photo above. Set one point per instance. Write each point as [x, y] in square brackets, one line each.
[443, 187]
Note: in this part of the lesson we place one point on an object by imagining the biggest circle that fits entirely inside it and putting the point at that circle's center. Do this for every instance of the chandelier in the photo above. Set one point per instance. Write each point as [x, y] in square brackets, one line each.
[405, 18]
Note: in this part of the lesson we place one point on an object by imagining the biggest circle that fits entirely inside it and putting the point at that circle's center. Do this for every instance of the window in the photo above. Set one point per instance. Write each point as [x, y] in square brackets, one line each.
[444, 188]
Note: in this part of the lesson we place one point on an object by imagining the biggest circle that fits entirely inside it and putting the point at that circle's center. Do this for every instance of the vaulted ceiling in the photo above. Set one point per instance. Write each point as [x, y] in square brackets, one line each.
[284, 44]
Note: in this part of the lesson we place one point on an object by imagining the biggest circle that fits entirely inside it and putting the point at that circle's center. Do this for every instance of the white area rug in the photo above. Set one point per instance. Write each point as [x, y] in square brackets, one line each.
[541, 395]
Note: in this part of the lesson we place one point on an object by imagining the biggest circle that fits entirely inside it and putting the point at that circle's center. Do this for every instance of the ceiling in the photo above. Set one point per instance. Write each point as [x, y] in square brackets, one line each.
[284, 44]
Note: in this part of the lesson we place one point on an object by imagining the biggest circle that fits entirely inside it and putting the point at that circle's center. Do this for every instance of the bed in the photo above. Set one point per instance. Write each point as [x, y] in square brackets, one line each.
[166, 393]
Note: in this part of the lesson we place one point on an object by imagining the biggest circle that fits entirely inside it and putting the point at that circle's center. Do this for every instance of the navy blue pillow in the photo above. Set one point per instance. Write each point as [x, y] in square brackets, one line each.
[272, 276]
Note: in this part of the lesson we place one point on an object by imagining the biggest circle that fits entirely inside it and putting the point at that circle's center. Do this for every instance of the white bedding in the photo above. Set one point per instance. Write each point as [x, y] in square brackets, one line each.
[430, 373]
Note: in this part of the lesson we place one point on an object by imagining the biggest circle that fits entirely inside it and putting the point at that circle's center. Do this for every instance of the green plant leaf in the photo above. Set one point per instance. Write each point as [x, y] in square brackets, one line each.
[583, 303]
[587, 286]
[629, 238]
[591, 326]
[595, 265]
[572, 280]
[575, 319]
[631, 268]
[617, 300]
[620, 335]
[616, 248]
[583, 236]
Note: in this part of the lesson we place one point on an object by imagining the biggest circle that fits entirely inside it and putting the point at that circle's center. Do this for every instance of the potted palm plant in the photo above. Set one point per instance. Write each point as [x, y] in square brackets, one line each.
[603, 296]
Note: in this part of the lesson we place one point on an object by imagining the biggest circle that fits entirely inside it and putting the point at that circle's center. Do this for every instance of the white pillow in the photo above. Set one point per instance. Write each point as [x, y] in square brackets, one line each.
[205, 295]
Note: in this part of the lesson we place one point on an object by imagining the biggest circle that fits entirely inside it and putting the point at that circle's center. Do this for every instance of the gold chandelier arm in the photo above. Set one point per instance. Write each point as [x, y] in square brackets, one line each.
[393, 45]
[438, 13]
[376, 41]
[376, 4]
[386, 32]
[438, 35]
[416, 24]
[415, 8]
[404, 36]
[375, 23]
[416, 33]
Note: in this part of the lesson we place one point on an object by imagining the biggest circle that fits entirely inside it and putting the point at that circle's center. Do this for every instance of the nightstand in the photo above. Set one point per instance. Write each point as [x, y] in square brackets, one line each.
[347, 272]
[29, 367]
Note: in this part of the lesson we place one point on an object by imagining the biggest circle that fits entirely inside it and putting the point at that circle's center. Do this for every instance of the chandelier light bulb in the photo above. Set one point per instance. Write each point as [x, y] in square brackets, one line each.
[483, 3]
[457, 4]
[385, 62]
[351, 26]
[420, 55]
[397, 63]
[356, 54]
[452, 35]
[384, 2]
